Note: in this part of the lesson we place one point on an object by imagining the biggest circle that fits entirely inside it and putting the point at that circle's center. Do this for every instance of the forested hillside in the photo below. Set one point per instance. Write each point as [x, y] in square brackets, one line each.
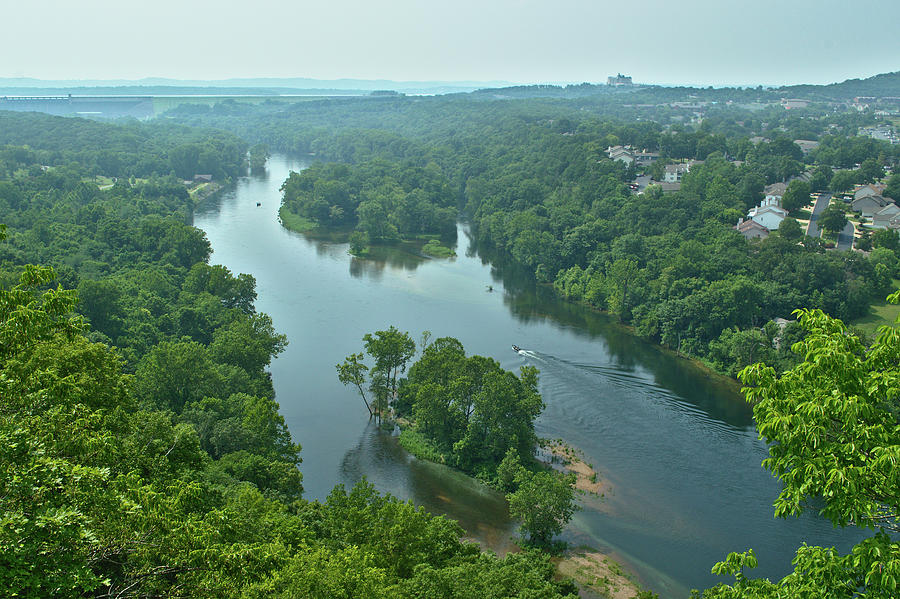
[535, 181]
[141, 449]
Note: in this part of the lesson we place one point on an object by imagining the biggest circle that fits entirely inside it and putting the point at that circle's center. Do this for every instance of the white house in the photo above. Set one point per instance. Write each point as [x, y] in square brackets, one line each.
[675, 172]
[769, 214]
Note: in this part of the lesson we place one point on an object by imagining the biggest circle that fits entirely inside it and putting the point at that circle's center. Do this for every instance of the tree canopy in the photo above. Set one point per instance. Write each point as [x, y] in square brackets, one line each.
[834, 442]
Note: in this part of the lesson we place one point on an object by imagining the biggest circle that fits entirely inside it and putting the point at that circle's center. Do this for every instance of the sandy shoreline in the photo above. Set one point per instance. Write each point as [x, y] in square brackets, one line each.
[560, 456]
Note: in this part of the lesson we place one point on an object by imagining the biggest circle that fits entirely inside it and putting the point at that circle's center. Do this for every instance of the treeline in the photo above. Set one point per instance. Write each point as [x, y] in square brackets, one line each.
[141, 448]
[130, 150]
[387, 201]
[537, 185]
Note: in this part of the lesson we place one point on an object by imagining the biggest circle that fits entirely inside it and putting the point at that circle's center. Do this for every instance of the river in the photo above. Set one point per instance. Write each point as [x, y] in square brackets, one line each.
[676, 446]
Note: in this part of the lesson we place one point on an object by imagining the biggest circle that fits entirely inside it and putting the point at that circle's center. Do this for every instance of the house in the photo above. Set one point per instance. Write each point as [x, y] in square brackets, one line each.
[790, 103]
[621, 153]
[206, 178]
[806, 145]
[669, 187]
[882, 219]
[769, 214]
[872, 189]
[751, 229]
[675, 172]
[774, 193]
[869, 205]
[644, 158]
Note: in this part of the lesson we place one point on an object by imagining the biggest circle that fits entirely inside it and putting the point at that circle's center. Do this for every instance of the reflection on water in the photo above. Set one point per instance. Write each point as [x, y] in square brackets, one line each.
[380, 257]
[675, 444]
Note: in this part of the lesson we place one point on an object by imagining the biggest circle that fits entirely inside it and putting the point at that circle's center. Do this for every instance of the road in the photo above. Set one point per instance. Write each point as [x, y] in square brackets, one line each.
[642, 182]
[813, 229]
[845, 237]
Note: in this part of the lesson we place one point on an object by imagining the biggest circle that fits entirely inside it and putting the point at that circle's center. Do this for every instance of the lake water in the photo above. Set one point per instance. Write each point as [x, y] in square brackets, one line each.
[676, 446]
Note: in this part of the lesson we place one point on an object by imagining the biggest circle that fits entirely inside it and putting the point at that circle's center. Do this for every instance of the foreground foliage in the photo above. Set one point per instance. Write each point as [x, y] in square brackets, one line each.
[832, 426]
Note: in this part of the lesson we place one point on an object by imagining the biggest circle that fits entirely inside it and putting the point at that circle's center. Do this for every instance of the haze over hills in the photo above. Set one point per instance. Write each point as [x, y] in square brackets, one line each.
[885, 84]
[265, 85]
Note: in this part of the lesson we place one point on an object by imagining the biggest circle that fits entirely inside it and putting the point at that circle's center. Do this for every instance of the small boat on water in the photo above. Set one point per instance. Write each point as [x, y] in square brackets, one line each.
[516, 348]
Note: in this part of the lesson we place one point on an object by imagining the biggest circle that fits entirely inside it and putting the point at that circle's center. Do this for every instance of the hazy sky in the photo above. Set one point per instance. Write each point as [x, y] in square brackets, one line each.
[707, 42]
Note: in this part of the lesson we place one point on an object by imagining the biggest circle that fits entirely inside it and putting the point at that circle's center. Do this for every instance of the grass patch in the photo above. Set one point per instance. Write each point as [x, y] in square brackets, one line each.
[597, 573]
[802, 214]
[434, 249]
[880, 314]
[295, 222]
[419, 446]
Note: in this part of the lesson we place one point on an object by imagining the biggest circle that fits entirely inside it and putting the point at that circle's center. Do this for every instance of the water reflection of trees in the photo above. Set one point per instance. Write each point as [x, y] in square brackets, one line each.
[382, 257]
[480, 510]
[530, 302]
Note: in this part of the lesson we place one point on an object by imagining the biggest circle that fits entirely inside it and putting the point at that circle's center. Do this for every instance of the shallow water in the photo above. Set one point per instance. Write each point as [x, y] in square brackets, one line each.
[676, 446]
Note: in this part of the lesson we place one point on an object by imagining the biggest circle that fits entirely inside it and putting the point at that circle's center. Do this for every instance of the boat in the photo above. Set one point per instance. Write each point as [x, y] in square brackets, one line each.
[516, 348]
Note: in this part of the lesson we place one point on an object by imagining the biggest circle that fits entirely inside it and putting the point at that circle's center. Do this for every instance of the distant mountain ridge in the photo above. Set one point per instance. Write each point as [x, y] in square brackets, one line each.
[281, 84]
[885, 84]
[882, 85]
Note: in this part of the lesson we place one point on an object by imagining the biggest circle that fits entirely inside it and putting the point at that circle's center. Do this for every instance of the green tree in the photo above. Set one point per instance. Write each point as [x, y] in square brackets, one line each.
[392, 351]
[870, 170]
[833, 218]
[353, 372]
[886, 238]
[359, 242]
[789, 228]
[544, 502]
[842, 181]
[622, 273]
[834, 442]
[259, 155]
[820, 178]
[893, 188]
[796, 196]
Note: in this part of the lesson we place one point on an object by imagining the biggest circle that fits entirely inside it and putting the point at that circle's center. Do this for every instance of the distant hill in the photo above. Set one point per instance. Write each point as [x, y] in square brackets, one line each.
[18, 85]
[886, 84]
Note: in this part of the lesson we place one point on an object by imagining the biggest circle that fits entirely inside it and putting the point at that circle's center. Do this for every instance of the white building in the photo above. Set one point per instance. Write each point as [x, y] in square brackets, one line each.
[769, 214]
[675, 172]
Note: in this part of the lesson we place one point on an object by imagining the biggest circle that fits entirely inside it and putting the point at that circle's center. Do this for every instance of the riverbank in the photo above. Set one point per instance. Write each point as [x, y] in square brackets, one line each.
[561, 456]
[598, 575]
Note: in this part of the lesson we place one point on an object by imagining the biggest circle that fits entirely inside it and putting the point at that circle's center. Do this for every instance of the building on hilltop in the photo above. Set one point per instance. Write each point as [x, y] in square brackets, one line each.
[619, 80]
